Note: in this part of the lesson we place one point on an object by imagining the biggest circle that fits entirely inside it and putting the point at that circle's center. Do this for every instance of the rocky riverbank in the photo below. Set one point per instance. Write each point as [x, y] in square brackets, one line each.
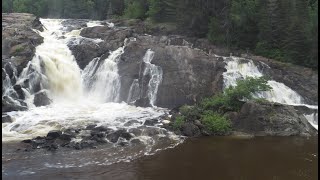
[189, 68]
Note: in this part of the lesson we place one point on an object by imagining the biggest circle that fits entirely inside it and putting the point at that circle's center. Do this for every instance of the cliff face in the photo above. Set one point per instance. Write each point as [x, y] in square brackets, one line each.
[19, 41]
[189, 74]
[18, 38]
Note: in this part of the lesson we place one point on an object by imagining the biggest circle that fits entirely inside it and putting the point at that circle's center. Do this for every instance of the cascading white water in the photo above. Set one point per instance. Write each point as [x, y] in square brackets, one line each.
[155, 73]
[54, 65]
[80, 97]
[134, 91]
[239, 68]
[102, 79]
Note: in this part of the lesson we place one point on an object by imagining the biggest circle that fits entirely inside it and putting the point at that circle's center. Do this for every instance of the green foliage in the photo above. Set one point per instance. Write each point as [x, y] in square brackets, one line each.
[179, 120]
[215, 123]
[135, 9]
[232, 97]
[190, 112]
[216, 33]
[285, 30]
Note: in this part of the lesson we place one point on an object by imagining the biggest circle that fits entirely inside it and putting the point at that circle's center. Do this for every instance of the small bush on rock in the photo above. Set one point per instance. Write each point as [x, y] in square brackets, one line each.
[178, 122]
[215, 123]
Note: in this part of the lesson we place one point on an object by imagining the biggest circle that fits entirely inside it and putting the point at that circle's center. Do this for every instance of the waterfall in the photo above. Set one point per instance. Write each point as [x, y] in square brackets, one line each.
[101, 78]
[313, 119]
[134, 91]
[155, 73]
[53, 67]
[239, 68]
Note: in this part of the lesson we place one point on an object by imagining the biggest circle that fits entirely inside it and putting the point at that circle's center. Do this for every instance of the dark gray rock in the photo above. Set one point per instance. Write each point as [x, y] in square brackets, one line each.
[143, 102]
[8, 104]
[150, 122]
[6, 119]
[191, 130]
[113, 137]
[54, 134]
[41, 98]
[131, 122]
[19, 91]
[271, 119]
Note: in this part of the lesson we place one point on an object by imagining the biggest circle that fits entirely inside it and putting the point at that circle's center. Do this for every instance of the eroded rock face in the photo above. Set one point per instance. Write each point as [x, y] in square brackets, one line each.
[188, 74]
[18, 38]
[271, 119]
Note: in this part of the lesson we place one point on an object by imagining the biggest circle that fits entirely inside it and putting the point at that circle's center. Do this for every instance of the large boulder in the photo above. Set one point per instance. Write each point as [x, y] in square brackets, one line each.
[86, 50]
[41, 98]
[271, 119]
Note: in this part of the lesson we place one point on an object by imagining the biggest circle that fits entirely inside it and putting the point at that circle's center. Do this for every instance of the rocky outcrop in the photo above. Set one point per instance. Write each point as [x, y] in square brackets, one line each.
[188, 74]
[18, 38]
[254, 119]
[19, 41]
[271, 119]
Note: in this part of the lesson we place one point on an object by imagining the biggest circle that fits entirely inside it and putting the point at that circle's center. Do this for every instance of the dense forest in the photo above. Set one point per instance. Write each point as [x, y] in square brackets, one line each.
[285, 30]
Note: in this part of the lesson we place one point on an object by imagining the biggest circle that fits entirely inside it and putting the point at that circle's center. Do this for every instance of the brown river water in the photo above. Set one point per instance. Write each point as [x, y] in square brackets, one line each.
[207, 158]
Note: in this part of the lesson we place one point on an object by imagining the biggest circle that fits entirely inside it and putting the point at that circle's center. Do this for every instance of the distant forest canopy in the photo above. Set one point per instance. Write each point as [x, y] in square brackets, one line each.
[285, 30]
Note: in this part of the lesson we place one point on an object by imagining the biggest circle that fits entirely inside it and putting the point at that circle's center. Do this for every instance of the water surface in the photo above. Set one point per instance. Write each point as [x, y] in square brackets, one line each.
[221, 158]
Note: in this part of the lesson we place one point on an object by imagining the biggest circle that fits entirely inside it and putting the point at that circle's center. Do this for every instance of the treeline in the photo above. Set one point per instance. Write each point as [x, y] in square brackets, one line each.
[286, 30]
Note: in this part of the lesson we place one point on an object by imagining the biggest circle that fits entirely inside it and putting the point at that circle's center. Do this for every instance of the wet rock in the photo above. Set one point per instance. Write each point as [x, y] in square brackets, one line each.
[135, 131]
[90, 127]
[150, 122]
[19, 91]
[54, 134]
[191, 130]
[102, 129]
[6, 119]
[271, 119]
[136, 142]
[88, 143]
[113, 137]
[98, 134]
[27, 141]
[66, 137]
[150, 131]
[8, 104]
[124, 143]
[131, 122]
[143, 102]
[38, 141]
[53, 147]
[41, 98]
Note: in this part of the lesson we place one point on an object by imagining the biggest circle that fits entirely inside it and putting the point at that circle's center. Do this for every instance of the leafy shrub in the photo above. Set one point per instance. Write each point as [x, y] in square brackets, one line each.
[215, 123]
[190, 112]
[232, 97]
[178, 122]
